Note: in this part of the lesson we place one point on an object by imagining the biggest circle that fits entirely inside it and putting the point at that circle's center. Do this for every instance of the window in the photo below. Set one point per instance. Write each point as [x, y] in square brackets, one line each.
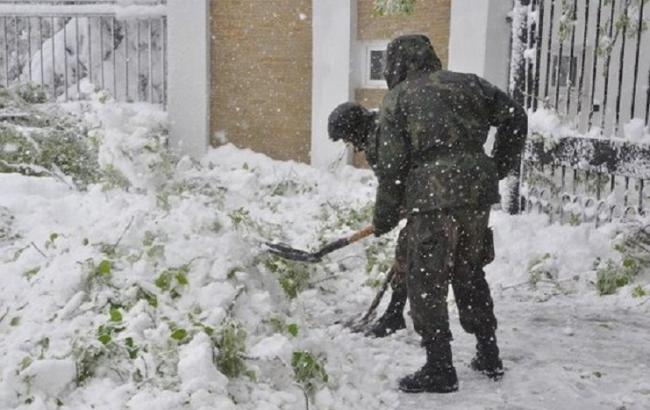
[377, 58]
[373, 58]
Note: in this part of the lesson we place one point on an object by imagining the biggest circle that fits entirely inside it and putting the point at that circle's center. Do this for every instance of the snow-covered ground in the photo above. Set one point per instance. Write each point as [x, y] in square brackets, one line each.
[134, 298]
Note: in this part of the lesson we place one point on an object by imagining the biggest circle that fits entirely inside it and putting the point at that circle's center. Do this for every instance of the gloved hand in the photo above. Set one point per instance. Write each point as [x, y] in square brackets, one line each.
[384, 222]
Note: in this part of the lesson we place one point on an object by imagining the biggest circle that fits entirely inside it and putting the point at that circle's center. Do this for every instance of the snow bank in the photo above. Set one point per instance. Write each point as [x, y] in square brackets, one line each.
[159, 294]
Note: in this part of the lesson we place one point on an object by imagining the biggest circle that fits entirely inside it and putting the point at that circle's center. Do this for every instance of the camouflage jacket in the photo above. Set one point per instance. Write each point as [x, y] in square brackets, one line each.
[432, 128]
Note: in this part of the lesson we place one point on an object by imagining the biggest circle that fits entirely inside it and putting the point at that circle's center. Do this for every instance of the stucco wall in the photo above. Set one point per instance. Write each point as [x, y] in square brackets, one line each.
[261, 75]
[485, 49]
[188, 86]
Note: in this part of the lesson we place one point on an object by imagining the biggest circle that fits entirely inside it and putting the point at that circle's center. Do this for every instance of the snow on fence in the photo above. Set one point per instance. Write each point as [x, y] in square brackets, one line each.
[585, 66]
[119, 46]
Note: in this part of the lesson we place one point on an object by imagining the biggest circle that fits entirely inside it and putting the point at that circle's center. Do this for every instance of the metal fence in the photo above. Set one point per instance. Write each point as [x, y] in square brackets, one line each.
[589, 62]
[68, 46]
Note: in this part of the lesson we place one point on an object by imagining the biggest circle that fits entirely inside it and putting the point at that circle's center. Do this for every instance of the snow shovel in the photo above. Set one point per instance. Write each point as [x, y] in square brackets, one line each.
[286, 252]
[362, 324]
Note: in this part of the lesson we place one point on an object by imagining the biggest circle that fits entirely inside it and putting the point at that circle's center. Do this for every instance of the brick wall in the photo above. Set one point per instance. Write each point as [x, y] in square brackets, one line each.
[261, 75]
[431, 17]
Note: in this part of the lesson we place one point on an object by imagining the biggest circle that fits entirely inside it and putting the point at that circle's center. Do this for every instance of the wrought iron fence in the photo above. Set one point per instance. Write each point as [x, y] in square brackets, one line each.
[589, 62]
[67, 46]
[586, 180]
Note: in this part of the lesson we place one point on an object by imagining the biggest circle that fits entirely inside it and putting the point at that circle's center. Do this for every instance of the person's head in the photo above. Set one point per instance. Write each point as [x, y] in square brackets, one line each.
[407, 54]
[351, 122]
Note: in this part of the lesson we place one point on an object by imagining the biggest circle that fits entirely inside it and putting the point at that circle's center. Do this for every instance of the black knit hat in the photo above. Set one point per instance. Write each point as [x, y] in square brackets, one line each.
[348, 122]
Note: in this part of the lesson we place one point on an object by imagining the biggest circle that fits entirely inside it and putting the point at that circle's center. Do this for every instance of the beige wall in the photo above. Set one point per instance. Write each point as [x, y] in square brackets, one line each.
[261, 75]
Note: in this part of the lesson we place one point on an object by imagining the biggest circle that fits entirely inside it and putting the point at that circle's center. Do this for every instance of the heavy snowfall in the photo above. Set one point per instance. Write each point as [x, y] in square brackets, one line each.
[148, 287]
[133, 277]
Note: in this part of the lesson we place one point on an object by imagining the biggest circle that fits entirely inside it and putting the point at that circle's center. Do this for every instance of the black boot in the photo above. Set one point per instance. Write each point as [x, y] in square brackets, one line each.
[438, 375]
[487, 359]
[393, 318]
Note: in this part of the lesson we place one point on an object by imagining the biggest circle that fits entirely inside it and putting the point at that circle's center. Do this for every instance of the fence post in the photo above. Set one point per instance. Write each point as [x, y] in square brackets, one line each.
[188, 59]
[517, 87]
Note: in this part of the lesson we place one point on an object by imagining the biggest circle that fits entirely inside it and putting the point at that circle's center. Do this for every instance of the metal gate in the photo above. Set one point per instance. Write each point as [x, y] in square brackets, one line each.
[68, 46]
[586, 63]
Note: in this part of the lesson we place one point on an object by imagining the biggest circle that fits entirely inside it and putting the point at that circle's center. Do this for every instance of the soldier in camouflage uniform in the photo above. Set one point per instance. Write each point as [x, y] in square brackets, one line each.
[355, 125]
[430, 159]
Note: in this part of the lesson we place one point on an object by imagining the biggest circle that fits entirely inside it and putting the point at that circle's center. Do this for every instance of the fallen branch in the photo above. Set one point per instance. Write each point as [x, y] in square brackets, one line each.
[4, 315]
[37, 249]
[231, 306]
[304, 392]
[128, 226]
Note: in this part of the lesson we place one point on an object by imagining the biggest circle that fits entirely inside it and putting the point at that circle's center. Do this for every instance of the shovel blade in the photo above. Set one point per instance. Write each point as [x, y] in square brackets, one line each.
[287, 252]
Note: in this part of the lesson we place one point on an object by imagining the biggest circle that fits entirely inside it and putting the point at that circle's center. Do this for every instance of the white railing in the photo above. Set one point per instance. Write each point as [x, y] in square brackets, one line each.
[69, 46]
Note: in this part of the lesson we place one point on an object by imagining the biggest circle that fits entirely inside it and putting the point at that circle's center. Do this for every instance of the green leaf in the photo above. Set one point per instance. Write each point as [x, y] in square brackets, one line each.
[231, 342]
[32, 272]
[53, 236]
[44, 343]
[163, 281]
[181, 278]
[628, 263]
[15, 321]
[116, 315]
[179, 334]
[131, 348]
[308, 370]
[137, 376]
[25, 363]
[156, 251]
[104, 268]
[105, 339]
[104, 334]
[639, 292]
[149, 238]
[293, 329]
[151, 299]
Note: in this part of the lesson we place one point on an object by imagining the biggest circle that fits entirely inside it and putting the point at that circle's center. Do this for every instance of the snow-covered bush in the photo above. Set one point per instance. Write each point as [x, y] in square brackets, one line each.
[309, 371]
[121, 146]
[393, 7]
[632, 246]
[42, 143]
[6, 222]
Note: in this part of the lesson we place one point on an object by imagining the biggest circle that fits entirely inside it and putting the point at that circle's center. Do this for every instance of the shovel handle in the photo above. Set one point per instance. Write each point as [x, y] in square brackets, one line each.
[364, 233]
[343, 242]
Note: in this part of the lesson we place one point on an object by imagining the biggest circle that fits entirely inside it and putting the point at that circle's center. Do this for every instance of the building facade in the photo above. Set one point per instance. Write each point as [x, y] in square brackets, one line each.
[267, 62]
[270, 72]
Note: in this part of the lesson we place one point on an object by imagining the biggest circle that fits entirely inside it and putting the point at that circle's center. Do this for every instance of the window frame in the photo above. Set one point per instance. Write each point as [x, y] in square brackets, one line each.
[366, 55]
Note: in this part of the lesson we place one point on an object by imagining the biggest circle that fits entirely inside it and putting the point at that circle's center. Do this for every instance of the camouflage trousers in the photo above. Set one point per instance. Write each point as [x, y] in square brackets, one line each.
[443, 248]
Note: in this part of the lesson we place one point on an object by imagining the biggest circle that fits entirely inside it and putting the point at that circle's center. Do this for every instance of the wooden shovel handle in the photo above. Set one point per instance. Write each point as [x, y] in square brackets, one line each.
[364, 233]
[343, 242]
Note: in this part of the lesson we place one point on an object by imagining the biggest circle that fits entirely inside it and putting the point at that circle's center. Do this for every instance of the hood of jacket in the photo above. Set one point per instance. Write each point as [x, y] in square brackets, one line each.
[409, 54]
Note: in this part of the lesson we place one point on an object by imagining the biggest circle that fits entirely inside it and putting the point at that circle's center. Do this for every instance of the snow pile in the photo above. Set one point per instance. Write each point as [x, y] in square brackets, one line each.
[548, 123]
[157, 292]
[635, 131]
[137, 287]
